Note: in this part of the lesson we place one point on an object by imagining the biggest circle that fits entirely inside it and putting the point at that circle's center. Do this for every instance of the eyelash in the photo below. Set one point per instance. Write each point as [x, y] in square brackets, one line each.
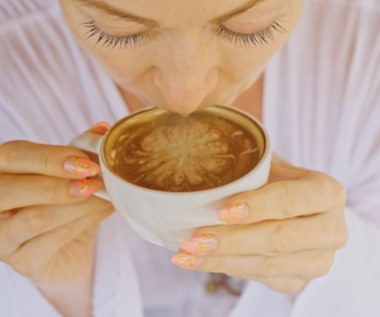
[112, 41]
[256, 38]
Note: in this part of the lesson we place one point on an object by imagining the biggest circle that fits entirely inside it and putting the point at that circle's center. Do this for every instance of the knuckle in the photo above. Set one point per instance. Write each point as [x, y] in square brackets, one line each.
[31, 221]
[4, 191]
[294, 286]
[337, 189]
[45, 159]
[62, 233]
[4, 248]
[22, 267]
[9, 153]
[323, 268]
[297, 286]
[336, 229]
[51, 188]
[220, 264]
[341, 239]
[6, 215]
[232, 244]
[289, 197]
[284, 238]
[332, 187]
[269, 267]
[6, 154]
[35, 220]
[319, 264]
[341, 194]
[332, 227]
[286, 285]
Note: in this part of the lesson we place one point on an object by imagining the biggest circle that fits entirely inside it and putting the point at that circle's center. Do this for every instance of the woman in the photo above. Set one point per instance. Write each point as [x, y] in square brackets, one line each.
[318, 97]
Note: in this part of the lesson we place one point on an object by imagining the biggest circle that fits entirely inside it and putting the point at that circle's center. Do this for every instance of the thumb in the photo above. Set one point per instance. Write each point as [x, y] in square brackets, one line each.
[100, 127]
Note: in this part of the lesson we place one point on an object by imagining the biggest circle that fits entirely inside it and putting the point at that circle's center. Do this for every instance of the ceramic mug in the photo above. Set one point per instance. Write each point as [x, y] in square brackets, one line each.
[167, 218]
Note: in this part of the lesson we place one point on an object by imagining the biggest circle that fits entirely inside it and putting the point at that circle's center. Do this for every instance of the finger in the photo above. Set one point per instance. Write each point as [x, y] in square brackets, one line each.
[100, 127]
[33, 221]
[6, 215]
[28, 190]
[34, 255]
[305, 264]
[312, 194]
[22, 157]
[285, 284]
[322, 231]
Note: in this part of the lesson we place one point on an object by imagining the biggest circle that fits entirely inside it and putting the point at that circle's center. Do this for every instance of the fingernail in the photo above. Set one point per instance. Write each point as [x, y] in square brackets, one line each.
[235, 214]
[186, 261]
[100, 127]
[85, 187]
[81, 167]
[200, 245]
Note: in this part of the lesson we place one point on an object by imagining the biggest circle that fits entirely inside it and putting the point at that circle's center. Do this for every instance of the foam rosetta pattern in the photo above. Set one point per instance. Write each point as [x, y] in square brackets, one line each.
[179, 154]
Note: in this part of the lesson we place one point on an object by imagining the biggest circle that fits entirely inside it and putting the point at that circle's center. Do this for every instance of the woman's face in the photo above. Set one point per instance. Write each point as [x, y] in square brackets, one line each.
[183, 55]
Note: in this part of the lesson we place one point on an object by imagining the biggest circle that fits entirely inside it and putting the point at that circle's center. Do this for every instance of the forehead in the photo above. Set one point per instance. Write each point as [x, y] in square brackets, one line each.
[185, 10]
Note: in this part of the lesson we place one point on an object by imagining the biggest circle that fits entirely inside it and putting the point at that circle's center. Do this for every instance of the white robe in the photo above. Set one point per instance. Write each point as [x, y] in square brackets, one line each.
[321, 108]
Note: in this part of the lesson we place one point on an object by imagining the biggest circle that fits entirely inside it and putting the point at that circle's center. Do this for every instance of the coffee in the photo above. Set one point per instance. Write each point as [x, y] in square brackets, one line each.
[165, 151]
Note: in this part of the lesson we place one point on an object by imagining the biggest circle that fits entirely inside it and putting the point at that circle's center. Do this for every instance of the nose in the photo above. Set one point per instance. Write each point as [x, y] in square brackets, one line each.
[185, 75]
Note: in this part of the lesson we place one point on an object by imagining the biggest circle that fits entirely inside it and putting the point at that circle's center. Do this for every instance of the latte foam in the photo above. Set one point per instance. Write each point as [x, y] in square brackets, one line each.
[180, 154]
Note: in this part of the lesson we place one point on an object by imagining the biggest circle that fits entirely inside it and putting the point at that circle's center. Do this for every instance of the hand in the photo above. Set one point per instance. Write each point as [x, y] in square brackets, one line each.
[282, 235]
[48, 216]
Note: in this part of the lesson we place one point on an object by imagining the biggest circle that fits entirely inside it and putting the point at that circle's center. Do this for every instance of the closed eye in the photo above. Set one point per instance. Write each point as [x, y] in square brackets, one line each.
[235, 38]
[255, 38]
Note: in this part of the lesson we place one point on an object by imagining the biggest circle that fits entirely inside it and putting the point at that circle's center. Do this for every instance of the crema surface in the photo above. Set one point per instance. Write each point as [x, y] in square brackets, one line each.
[179, 154]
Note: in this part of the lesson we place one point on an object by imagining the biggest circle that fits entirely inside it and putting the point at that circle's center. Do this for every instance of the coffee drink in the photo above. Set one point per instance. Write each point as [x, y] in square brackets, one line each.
[166, 151]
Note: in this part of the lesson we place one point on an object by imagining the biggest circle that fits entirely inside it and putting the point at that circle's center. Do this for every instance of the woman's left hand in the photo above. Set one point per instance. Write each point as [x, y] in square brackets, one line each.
[282, 235]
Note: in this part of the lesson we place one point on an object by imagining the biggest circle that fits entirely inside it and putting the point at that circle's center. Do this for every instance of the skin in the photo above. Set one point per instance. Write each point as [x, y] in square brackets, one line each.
[46, 233]
[185, 65]
[181, 64]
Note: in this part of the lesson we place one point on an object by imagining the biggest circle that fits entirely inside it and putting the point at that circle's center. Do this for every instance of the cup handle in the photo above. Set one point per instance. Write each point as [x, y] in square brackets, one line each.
[90, 142]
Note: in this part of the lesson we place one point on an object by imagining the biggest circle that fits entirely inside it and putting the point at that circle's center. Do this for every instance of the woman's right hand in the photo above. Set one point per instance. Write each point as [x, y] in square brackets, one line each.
[48, 216]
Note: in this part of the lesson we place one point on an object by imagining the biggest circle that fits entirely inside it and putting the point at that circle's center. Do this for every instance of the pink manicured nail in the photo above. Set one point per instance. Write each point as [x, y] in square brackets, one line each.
[234, 214]
[186, 261]
[81, 167]
[85, 187]
[200, 245]
[100, 127]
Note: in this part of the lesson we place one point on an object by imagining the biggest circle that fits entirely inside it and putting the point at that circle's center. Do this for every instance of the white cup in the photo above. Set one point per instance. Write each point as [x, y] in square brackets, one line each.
[168, 218]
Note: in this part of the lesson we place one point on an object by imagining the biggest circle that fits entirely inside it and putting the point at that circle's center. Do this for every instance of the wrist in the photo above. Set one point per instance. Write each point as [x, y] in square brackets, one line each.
[74, 301]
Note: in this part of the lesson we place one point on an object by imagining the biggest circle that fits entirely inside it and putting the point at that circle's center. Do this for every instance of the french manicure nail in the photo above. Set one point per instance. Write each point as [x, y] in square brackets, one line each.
[186, 261]
[235, 214]
[85, 187]
[200, 245]
[80, 167]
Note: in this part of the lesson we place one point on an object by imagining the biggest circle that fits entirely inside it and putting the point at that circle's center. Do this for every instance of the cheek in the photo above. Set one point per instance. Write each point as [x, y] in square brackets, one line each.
[242, 64]
[126, 65]
[248, 61]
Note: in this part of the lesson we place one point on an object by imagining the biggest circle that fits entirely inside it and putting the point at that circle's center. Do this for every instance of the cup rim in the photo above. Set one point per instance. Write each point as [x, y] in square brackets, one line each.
[263, 159]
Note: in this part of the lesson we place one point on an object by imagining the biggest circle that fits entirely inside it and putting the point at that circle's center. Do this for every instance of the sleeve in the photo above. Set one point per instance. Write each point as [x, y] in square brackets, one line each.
[19, 297]
[30, 100]
[352, 287]
[116, 290]
[332, 124]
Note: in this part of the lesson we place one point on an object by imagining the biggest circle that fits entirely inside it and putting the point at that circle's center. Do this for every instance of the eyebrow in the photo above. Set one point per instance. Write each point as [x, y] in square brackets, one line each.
[245, 7]
[100, 5]
[106, 8]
